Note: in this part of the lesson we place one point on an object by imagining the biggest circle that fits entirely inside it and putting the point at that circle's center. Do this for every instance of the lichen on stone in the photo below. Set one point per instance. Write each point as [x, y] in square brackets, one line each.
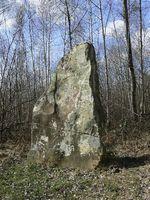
[70, 113]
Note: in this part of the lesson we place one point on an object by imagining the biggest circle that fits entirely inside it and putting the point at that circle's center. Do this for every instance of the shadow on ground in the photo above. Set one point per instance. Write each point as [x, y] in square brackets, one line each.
[125, 162]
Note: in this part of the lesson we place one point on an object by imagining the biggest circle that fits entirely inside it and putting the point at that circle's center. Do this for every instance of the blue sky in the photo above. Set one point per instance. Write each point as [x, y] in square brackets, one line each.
[7, 22]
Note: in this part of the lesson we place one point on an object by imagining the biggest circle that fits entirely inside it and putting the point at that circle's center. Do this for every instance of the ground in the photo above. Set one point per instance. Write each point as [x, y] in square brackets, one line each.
[125, 175]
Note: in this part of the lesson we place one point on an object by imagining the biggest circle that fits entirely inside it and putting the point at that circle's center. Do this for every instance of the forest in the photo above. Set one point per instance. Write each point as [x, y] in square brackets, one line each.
[34, 36]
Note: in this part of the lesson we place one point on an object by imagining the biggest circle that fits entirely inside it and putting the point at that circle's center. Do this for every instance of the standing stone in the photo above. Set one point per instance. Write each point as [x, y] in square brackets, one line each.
[68, 118]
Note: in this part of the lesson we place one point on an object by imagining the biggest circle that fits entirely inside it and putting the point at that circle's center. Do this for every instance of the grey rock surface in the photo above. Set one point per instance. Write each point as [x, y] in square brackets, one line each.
[68, 117]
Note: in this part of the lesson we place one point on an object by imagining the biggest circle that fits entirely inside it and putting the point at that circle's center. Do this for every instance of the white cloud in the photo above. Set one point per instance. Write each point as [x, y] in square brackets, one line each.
[35, 2]
[19, 1]
[6, 23]
[145, 38]
[147, 34]
[118, 25]
[32, 2]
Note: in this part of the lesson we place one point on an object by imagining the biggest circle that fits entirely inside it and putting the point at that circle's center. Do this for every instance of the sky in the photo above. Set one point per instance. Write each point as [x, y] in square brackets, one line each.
[7, 21]
[37, 3]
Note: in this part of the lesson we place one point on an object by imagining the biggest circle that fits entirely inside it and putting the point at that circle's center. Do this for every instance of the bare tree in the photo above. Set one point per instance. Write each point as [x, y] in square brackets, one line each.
[141, 58]
[106, 63]
[90, 21]
[130, 59]
[69, 23]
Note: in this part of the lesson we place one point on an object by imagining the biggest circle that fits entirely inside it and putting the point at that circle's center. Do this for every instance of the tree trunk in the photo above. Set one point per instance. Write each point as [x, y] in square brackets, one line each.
[141, 59]
[90, 21]
[130, 60]
[106, 66]
[69, 24]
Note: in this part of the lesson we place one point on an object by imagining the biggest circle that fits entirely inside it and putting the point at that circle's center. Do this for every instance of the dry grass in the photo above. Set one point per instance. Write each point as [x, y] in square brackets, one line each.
[124, 175]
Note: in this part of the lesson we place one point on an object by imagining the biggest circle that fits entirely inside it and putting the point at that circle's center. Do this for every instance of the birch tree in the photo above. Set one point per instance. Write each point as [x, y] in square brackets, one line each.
[130, 59]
